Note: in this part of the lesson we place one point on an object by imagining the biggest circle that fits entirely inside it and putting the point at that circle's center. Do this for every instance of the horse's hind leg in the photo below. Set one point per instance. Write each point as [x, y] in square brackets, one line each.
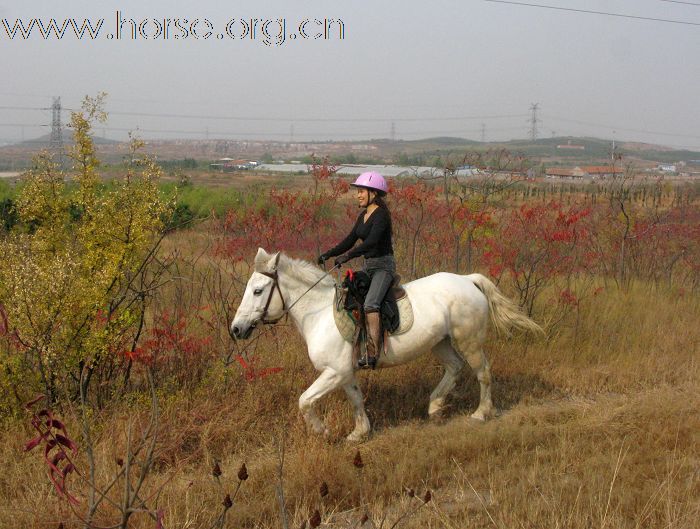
[468, 339]
[362, 426]
[453, 364]
[477, 360]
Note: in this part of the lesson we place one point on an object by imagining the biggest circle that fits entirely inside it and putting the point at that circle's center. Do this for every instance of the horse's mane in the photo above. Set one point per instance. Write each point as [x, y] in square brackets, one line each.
[304, 271]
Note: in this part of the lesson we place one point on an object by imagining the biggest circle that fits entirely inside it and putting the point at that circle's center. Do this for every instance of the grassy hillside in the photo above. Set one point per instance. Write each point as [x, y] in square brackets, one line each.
[409, 152]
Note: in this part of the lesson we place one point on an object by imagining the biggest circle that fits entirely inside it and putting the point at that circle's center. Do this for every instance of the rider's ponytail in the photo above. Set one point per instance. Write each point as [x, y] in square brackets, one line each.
[379, 201]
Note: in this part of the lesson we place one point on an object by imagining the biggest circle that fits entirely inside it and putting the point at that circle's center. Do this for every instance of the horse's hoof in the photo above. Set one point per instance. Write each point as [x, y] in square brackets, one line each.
[356, 438]
[321, 431]
[483, 416]
[437, 417]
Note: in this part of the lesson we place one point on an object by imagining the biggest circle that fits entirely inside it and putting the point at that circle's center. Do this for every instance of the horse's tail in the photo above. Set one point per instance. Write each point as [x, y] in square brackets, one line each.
[504, 313]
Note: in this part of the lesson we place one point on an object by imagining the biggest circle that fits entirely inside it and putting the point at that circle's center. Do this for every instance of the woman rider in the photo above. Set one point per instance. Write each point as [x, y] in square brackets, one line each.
[373, 228]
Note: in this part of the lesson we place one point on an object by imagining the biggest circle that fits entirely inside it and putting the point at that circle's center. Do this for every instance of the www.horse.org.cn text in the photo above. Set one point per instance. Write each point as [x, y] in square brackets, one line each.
[268, 31]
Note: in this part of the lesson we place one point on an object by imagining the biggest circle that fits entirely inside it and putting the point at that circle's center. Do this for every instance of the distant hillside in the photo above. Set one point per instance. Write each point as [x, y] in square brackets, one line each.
[425, 151]
[446, 140]
[595, 148]
[547, 147]
[666, 156]
[44, 141]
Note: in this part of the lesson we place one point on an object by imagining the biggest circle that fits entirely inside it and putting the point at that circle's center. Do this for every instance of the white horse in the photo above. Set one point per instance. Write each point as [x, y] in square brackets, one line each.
[451, 314]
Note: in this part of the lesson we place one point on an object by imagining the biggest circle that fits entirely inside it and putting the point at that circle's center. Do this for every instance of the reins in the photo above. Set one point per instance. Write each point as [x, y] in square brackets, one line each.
[312, 286]
[276, 285]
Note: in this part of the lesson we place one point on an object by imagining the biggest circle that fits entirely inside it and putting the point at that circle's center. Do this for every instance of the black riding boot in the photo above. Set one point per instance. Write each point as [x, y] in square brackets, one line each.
[374, 331]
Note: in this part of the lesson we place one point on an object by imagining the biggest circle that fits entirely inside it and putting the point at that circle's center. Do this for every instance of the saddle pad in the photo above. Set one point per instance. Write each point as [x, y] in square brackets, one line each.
[346, 325]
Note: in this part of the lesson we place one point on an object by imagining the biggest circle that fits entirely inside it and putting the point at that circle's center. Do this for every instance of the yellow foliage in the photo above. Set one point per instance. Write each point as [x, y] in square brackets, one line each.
[68, 271]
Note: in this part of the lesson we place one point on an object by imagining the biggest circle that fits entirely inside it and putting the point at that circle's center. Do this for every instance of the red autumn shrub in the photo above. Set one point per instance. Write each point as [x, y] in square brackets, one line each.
[536, 244]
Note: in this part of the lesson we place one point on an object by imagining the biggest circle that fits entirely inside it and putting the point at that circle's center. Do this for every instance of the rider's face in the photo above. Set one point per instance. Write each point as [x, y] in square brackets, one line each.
[363, 197]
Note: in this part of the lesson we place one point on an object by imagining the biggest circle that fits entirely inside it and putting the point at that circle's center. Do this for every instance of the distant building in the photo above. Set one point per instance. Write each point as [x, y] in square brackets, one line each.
[228, 165]
[571, 147]
[667, 168]
[564, 172]
[239, 165]
[602, 171]
[588, 171]
[466, 170]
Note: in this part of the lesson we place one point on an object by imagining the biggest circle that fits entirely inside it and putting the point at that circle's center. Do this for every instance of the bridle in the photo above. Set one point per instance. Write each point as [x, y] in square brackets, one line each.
[275, 286]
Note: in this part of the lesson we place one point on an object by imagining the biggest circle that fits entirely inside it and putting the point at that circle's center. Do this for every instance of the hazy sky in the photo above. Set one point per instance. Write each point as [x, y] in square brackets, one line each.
[430, 67]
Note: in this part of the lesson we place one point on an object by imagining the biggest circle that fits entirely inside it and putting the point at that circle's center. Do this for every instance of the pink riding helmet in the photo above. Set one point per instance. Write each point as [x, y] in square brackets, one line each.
[372, 180]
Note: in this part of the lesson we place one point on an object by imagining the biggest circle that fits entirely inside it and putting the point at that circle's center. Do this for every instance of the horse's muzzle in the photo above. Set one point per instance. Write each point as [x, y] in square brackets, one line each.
[240, 331]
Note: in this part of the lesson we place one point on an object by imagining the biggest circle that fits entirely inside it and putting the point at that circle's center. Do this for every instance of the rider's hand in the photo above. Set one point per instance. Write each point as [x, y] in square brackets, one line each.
[322, 259]
[340, 260]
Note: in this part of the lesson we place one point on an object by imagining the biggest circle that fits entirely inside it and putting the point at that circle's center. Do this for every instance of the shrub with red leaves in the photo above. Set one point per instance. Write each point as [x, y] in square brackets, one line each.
[420, 222]
[535, 245]
[266, 223]
[53, 435]
[251, 372]
[173, 346]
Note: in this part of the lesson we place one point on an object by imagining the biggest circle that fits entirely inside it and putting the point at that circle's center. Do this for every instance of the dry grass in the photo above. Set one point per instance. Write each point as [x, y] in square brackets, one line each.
[599, 428]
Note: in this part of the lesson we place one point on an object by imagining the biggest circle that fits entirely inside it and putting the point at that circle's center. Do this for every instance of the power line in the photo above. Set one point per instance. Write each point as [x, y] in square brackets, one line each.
[605, 13]
[615, 127]
[24, 108]
[679, 2]
[476, 132]
[266, 105]
[305, 120]
[23, 125]
[17, 94]
[213, 134]
[479, 130]
[309, 120]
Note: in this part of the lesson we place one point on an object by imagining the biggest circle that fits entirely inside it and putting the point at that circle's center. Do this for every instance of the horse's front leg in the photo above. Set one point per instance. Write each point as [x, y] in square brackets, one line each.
[327, 382]
[362, 426]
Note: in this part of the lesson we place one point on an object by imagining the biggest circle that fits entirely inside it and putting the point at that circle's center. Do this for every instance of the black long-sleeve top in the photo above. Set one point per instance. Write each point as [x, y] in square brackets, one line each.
[375, 235]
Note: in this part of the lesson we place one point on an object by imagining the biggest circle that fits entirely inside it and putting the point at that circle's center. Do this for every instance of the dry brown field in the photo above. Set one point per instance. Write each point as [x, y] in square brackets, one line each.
[598, 423]
[598, 428]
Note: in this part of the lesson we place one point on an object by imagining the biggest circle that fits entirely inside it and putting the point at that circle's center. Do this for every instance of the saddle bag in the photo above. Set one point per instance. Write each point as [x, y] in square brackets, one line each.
[357, 285]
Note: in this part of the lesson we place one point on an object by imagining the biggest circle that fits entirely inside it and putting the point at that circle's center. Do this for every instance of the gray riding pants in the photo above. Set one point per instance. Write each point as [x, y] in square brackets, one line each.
[381, 270]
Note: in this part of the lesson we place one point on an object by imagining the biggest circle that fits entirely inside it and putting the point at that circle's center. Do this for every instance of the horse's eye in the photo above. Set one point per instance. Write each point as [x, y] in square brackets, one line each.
[257, 291]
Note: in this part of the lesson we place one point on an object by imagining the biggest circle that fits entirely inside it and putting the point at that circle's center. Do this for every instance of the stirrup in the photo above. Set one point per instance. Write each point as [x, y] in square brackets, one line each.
[367, 362]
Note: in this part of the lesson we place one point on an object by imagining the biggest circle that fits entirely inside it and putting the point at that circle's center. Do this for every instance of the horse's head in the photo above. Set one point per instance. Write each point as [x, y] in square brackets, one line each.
[262, 300]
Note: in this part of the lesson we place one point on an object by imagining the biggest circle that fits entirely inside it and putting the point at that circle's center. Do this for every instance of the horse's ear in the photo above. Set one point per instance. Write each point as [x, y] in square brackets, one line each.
[265, 262]
[261, 259]
[274, 261]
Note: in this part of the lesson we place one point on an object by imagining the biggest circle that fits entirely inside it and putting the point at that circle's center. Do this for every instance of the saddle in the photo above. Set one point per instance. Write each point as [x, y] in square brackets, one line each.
[396, 310]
